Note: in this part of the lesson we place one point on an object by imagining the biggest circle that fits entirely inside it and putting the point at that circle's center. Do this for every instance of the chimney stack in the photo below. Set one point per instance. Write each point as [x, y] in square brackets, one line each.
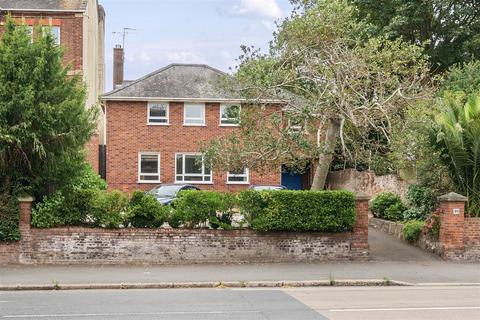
[118, 66]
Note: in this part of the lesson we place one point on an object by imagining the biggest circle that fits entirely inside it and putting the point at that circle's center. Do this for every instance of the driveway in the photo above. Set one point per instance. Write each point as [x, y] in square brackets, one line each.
[384, 247]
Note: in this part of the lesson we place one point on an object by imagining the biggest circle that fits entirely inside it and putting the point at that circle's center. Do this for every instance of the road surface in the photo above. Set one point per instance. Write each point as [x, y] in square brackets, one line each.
[249, 304]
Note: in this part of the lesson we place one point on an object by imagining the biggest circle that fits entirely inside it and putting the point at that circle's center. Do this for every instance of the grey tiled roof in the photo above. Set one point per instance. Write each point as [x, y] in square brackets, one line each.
[177, 81]
[68, 5]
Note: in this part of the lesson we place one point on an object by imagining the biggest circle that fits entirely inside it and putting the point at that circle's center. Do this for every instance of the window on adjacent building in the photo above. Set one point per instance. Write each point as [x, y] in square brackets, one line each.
[191, 167]
[30, 33]
[194, 114]
[158, 113]
[238, 176]
[229, 115]
[55, 31]
[148, 167]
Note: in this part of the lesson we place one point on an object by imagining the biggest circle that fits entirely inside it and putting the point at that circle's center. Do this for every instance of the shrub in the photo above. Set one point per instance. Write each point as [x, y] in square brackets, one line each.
[47, 214]
[382, 202]
[82, 202]
[395, 212]
[146, 212]
[412, 230]
[432, 225]
[325, 211]
[197, 208]
[224, 220]
[413, 214]
[252, 203]
[9, 218]
[109, 209]
[174, 219]
[422, 198]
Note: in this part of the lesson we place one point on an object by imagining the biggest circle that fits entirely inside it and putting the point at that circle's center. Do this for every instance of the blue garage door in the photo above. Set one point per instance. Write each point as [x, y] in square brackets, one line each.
[292, 181]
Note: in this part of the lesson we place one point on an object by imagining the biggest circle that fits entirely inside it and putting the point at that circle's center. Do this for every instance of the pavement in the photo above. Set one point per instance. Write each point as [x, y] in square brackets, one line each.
[241, 304]
[391, 259]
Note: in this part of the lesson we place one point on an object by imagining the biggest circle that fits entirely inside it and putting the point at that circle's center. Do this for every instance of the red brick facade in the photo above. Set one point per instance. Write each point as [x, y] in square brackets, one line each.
[128, 134]
[71, 33]
[71, 40]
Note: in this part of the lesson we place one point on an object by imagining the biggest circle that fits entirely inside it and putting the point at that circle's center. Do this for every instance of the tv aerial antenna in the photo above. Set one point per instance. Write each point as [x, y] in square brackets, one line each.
[124, 33]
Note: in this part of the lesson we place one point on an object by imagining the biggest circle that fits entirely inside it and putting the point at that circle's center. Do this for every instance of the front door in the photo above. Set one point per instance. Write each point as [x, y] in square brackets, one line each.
[292, 181]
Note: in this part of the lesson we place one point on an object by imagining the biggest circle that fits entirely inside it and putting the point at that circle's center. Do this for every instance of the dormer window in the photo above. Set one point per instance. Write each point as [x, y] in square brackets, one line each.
[158, 113]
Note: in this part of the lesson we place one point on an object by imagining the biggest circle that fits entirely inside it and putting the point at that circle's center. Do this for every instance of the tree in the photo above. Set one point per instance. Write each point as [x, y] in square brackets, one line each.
[449, 30]
[457, 138]
[327, 79]
[44, 124]
[462, 77]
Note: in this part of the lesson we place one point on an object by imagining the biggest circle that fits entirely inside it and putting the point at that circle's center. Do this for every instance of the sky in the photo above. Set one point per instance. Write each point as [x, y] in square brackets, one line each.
[187, 31]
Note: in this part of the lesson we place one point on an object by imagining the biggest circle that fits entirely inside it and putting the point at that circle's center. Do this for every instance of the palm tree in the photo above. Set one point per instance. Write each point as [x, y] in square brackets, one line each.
[457, 137]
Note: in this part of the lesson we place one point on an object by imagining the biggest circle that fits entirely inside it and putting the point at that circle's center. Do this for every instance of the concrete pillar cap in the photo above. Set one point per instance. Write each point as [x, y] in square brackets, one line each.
[26, 199]
[362, 196]
[452, 197]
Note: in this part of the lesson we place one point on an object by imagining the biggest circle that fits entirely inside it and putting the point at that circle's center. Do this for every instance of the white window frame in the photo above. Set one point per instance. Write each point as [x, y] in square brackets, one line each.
[294, 129]
[140, 154]
[57, 39]
[244, 175]
[203, 175]
[167, 117]
[225, 105]
[185, 123]
[30, 30]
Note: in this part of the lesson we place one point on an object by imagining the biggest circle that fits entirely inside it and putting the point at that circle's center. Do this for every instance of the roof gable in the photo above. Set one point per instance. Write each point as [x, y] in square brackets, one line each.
[176, 81]
[44, 5]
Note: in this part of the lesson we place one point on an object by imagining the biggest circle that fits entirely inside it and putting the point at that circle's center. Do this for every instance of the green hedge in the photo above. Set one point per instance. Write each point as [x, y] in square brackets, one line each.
[323, 211]
[81, 207]
[9, 218]
[146, 212]
[199, 208]
[388, 206]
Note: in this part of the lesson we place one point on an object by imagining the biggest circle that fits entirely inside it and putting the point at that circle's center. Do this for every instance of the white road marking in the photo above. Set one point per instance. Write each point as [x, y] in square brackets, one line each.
[78, 315]
[404, 309]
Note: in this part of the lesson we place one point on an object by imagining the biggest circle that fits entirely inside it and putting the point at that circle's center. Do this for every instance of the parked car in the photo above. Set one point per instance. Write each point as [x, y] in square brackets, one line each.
[267, 188]
[166, 193]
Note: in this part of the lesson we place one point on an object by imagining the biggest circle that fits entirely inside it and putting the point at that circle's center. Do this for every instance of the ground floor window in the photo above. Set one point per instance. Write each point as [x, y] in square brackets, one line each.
[191, 167]
[148, 167]
[238, 176]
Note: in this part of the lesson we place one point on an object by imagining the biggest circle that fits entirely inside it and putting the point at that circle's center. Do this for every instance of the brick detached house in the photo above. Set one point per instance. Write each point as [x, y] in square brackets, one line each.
[79, 27]
[154, 125]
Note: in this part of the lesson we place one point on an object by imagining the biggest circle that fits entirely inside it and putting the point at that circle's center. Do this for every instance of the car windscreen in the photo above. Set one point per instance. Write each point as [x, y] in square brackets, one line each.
[165, 191]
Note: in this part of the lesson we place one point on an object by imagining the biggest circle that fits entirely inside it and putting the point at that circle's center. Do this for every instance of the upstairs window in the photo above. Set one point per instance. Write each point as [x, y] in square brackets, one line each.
[54, 31]
[229, 115]
[30, 33]
[191, 167]
[238, 177]
[148, 167]
[158, 113]
[194, 114]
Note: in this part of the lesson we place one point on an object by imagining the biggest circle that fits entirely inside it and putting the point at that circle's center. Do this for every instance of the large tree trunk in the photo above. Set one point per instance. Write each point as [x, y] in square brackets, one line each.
[325, 156]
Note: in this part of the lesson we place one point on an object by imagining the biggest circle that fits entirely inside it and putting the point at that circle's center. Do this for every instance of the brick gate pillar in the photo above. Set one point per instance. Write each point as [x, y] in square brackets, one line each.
[452, 225]
[360, 229]
[25, 207]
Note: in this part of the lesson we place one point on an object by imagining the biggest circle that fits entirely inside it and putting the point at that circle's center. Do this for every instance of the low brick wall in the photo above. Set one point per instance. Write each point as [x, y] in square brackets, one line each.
[472, 239]
[181, 246]
[72, 246]
[395, 229]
